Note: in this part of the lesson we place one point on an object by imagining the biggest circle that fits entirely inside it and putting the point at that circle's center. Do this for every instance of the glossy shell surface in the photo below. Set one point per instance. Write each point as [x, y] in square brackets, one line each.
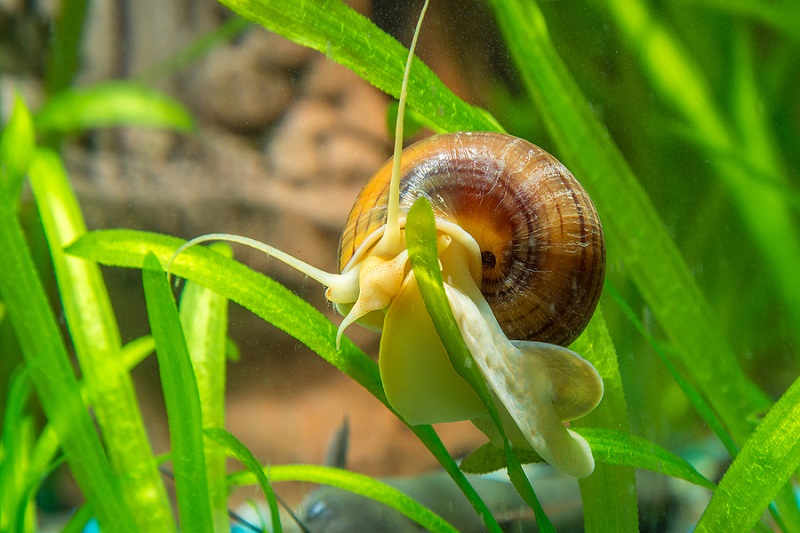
[541, 241]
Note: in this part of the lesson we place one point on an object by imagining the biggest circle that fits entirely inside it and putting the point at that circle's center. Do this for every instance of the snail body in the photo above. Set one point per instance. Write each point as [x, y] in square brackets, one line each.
[542, 257]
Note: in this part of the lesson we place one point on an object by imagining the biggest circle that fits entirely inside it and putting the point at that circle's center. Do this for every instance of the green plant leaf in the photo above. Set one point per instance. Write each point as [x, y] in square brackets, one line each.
[609, 494]
[421, 242]
[111, 104]
[272, 302]
[63, 58]
[762, 467]
[17, 507]
[256, 292]
[53, 378]
[633, 230]
[240, 452]
[204, 315]
[694, 397]
[349, 38]
[680, 82]
[16, 148]
[353, 482]
[608, 447]
[136, 350]
[782, 16]
[95, 336]
[181, 398]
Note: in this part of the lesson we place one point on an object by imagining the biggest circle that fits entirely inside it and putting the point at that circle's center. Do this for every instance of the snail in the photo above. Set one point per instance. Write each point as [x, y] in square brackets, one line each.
[522, 256]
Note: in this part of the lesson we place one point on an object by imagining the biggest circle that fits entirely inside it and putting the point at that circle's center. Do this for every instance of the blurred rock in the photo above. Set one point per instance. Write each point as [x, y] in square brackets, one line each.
[239, 88]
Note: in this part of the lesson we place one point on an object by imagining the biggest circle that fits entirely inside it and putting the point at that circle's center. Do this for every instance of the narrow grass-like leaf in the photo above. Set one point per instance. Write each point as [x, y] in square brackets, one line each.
[609, 447]
[240, 452]
[680, 82]
[181, 398]
[428, 436]
[53, 378]
[111, 104]
[764, 465]
[62, 62]
[618, 448]
[256, 292]
[136, 350]
[79, 520]
[349, 38]
[96, 338]
[635, 235]
[609, 494]
[269, 300]
[694, 397]
[421, 242]
[16, 147]
[17, 512]
[43, 461]
[783, 16]
[353, 482]
[204, 315]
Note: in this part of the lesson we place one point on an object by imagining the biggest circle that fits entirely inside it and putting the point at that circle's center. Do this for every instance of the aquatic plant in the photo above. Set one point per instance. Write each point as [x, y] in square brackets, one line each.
[695, 338]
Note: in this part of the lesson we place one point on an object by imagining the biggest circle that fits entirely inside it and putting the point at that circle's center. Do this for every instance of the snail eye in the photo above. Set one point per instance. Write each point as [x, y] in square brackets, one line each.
[488, 260]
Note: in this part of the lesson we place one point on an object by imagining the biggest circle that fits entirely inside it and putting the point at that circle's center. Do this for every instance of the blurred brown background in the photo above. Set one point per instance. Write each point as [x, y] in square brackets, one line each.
[285, 141]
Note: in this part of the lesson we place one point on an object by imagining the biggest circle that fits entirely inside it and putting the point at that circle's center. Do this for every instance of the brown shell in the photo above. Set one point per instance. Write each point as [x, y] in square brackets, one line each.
[542, 245]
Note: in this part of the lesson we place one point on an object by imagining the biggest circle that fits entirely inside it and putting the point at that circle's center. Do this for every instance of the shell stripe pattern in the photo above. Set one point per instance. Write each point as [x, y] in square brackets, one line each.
[540, 237]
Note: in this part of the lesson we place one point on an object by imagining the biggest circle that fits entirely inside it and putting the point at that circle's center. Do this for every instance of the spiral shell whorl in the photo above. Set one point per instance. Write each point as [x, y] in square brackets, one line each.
[542, 244]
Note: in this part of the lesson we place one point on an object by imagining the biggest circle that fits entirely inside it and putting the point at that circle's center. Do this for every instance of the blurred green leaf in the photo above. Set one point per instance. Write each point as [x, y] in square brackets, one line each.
[53, 378]
[95, 336]
[783, 16]
[609, 494]
[65, 43]
[16, 148]
[636, 237]
[182, 401]
[240, 452]
[680, 82]
[17, 506]
[111, 104]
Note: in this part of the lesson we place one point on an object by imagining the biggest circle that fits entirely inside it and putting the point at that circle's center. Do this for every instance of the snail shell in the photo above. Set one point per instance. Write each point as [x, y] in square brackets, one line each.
[541, 242]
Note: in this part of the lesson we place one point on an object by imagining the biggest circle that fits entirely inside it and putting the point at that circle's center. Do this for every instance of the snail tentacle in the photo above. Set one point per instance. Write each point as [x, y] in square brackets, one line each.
[391, 240]
[325, 278]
